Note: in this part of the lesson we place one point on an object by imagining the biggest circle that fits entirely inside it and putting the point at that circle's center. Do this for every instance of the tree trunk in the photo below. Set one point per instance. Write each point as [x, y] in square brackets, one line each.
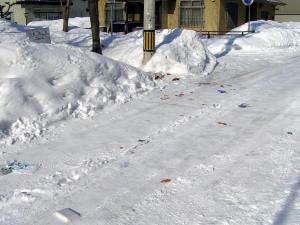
[66, 16]
[94, 18]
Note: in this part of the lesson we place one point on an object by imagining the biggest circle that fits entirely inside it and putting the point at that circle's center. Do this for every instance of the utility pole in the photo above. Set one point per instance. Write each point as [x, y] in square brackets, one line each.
[111, 19]
[149, 30]
[249, 18]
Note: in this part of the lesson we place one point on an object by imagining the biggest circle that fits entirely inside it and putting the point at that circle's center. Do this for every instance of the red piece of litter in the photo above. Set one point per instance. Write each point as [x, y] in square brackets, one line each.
[165, 181]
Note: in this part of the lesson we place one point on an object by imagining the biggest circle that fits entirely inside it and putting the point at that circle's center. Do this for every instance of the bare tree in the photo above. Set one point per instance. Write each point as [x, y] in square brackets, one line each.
[94, 18]
[66, 14]
[5, 10]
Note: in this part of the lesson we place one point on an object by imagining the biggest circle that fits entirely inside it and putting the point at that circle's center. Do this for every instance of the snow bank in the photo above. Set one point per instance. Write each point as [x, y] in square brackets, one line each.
[268, 34]
[179, 52]
[77, 22]
[42, 83]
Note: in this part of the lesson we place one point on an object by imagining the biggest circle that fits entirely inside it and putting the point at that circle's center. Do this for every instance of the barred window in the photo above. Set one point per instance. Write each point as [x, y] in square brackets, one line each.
[118, 12]
[47, 15]
[191, 13]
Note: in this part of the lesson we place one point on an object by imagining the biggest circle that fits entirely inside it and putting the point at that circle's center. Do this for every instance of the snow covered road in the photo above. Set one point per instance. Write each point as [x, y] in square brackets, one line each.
[243, 170]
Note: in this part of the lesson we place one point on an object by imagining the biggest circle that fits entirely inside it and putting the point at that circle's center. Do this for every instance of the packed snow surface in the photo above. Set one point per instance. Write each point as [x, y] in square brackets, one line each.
[43, 83]
[267, 35]
[218, 149]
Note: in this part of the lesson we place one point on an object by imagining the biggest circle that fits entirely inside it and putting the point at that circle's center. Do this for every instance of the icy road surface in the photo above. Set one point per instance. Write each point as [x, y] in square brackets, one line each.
[221, 164]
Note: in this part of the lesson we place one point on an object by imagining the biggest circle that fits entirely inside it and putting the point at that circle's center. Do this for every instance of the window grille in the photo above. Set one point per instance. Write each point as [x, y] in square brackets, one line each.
[118, 12]
[192, 13]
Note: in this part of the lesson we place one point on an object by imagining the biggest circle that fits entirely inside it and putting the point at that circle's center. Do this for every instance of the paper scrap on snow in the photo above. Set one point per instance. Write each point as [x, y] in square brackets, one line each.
[67, 215]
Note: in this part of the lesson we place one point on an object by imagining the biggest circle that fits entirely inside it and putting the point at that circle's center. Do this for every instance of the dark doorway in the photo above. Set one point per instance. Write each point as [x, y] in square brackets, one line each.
[158, 15]
[231, 15]
[253, 12]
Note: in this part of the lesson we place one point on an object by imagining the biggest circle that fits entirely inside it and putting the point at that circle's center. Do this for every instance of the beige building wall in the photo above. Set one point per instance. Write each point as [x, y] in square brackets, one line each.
[18, 15]
[212, 17]
[173, 14]
[289, 12]
[101, 9]
[214, 14]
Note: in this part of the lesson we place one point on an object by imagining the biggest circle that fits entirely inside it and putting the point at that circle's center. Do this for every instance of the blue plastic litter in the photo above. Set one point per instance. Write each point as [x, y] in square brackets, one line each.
[222, 91]
[18, 167]
[124, 164]
[15, 165]
[243, 105]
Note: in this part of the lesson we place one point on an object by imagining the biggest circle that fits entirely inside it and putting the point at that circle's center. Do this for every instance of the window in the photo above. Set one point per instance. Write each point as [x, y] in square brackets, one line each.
[191, 13]
[118, 12]
[47, 15]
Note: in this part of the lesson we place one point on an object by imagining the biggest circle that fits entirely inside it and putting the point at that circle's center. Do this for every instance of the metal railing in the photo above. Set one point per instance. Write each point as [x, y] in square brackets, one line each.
[209, 34]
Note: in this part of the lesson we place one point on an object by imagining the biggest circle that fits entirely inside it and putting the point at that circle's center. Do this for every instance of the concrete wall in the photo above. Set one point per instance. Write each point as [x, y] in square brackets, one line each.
[289, 12]
[24, 13]
[79, 9]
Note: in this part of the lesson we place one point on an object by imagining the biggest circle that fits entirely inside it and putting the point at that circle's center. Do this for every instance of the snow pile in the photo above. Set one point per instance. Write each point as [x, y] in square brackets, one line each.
[6, 26]
[77, 22]
[179, 52]
[42, 83]
[268, 34]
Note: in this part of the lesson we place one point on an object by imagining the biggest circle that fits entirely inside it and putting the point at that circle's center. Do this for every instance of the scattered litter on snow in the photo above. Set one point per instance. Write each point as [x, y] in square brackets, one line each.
[18, 167]
[4, 170]
[217, 106]
[165, 97]
[180, 94]
[244, 105]
[222, 123]
[124, 164]
[67, 215]
[204, 83]
[222, 91]
[158, 76]
[166, 180]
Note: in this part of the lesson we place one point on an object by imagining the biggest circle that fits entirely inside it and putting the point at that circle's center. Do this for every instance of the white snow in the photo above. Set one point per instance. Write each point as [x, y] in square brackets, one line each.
[53, 82]
[267, 35]
[42, 83]
[224, 164]
[179, 52]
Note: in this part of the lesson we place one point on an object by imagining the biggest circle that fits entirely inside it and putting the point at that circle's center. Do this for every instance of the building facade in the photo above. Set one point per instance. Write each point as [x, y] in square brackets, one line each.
[288, 12]
[202, 15]
[26, 11]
